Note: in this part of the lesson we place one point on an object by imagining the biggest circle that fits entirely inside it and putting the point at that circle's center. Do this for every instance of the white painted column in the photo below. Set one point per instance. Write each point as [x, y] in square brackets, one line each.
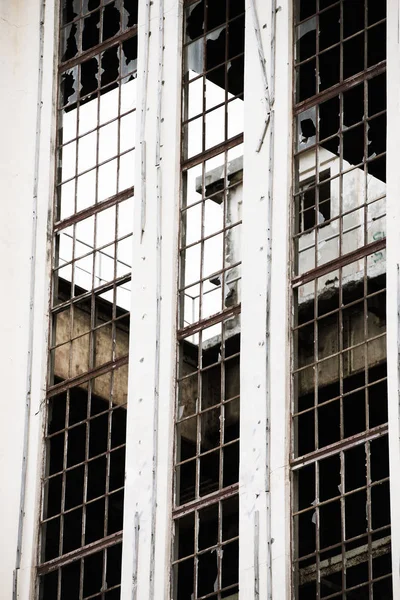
[148, 486]
[279, 363]
[254, 572]
[393, 276]
[264, 488]
[170, 186]
[26, 167]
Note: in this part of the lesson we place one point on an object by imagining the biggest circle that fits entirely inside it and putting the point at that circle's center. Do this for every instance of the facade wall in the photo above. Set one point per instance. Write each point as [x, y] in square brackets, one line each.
[26, 176]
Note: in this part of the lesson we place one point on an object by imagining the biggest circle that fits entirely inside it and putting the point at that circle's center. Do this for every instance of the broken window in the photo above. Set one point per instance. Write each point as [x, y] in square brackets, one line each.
[83, 480]
[205, 554]
[315, 202]
[339, 451]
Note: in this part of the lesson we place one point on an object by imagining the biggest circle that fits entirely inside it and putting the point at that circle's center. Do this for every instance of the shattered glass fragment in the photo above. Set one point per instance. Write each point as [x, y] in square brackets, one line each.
[69, 46]
[130, 7]
[69, 86]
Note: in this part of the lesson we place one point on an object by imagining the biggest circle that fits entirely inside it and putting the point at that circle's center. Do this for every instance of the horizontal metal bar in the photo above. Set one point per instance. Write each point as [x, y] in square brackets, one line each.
[212, 152]
[354, 304]
[223, 494]
[352, 557]
[207, 278]
[66, 559]
[87, 54]
[96, 208]
[213, 320]
[212, 548]
[200, 454]
[209, 237]
[101, 289]
[106, 496]
[349, 442]
[324, 359]
[342, 261]
[358, 33]
[340, 87]
[85, 377]
[367, 386]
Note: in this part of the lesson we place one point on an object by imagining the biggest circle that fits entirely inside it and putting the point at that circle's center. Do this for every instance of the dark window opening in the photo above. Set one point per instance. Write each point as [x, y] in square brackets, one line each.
[339, 455]
[84, 471]
[315, 206]
[217, 455]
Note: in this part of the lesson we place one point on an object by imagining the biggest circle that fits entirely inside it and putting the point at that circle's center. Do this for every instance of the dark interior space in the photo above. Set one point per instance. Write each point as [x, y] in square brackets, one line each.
[93, 574]
[354, 523]
[95, 24]
[353, 413]
[90, 429]
[361, 391]
[94, 73]
[227, 47]
[210, 438]
[356, 99]
[212, 530]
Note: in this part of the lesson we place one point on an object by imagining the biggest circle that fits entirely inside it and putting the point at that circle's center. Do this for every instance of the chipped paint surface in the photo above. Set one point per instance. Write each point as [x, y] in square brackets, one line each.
[24, 172]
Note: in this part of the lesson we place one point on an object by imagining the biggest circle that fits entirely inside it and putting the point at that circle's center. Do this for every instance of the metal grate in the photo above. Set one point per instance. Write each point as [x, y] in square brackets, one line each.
[205, 555]
[83, 481]
[339, 455]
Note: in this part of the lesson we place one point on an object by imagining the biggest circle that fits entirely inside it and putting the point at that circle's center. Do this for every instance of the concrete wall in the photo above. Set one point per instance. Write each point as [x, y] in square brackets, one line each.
[72, 358]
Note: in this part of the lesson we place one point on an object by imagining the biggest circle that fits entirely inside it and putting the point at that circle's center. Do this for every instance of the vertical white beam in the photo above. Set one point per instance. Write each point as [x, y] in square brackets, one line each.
[26, 165]
[47, 29]
[254, 580]
[148, 487]
[264, 483]
[279, 362]
[393, 277]
[139, 501]
[170, 190]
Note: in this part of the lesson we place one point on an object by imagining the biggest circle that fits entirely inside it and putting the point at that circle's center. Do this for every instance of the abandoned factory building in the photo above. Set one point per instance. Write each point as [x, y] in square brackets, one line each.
[201, 299]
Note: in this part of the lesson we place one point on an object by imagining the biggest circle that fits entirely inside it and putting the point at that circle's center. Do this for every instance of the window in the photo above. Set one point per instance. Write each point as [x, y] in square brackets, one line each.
[315, 202]
[83, 480]
[339, 453]
[206, 515]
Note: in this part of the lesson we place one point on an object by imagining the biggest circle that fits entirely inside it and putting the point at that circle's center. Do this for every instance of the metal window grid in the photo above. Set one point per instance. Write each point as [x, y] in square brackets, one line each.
[339, 453]
[205, 507]
[83, 480]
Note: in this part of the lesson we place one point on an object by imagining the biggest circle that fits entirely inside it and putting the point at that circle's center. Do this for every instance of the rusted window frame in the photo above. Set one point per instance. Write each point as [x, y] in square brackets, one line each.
[184, 331]
[53, 389]
[315, 570]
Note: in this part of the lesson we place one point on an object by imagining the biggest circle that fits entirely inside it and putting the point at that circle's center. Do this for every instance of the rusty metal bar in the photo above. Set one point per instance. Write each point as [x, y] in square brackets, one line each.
[342, 261]
[86, 55]
[91, 374]
[340, 87]
[96, 208]
[101, 289]
[354, 557]
[67, 559]
[350, 442]
[208, 500]
[213, 320]
[212, 152]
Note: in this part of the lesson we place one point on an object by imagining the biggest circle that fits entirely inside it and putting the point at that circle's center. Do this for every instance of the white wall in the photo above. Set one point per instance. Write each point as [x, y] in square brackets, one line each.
[23, 325]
